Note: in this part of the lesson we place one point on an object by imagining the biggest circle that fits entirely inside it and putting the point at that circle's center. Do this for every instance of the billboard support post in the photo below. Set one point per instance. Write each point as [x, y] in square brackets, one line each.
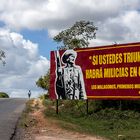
[120, 106]
[56, 106]
[87, 105]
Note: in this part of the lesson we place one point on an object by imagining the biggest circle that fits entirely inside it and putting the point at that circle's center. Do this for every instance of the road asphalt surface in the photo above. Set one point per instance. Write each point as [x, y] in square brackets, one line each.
[10, 111]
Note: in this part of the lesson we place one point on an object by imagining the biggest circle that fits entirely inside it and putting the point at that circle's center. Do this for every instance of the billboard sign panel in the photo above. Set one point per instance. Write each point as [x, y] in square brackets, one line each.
[108, 72]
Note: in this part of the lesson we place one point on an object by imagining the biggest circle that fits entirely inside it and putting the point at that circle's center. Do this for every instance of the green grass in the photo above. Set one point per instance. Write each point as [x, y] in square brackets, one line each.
[109, 123]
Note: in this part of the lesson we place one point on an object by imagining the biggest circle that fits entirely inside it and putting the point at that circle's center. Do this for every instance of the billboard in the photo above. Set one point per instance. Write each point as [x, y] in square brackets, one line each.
[107, 72]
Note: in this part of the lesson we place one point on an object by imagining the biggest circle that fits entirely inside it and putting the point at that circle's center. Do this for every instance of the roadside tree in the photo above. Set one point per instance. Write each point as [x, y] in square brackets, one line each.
[77, 36]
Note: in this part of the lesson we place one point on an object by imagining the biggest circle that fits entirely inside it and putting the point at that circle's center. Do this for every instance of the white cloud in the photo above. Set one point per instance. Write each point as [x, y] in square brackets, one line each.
[23, 63]
[122, 29]
[118, 21]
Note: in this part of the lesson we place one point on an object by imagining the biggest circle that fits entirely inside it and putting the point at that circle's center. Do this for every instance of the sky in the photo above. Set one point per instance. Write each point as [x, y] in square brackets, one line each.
[27, 28]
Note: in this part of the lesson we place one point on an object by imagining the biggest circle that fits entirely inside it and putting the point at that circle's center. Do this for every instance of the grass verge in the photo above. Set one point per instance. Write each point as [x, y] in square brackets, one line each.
[109, 123]
[25, 120]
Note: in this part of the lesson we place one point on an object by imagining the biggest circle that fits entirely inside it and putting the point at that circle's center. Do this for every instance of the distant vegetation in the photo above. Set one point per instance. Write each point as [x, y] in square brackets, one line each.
[4, 95]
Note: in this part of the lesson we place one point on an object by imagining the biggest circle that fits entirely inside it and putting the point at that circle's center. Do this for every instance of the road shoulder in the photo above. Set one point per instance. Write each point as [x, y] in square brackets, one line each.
[38, 127]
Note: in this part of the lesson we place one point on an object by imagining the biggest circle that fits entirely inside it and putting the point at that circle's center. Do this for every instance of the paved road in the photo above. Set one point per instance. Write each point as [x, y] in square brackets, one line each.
[10, 111]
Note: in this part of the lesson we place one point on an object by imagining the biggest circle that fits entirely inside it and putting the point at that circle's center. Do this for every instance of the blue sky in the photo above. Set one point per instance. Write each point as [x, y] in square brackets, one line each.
[28, 26]
[41, 37]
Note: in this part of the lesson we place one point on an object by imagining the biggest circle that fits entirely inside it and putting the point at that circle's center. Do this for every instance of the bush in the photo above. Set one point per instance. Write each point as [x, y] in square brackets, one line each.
[4, 95]
[97, 105]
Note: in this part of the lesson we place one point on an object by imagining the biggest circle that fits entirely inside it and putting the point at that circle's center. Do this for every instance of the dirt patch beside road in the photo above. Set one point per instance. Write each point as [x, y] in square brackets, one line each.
[42, 128]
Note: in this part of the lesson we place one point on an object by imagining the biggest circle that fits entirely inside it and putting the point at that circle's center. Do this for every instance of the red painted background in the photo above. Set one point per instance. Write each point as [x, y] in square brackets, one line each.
[83, 60]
